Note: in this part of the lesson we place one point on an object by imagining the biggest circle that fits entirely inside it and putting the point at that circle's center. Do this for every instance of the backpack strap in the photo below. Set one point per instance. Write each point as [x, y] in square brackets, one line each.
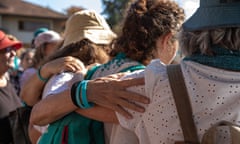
[183, 105]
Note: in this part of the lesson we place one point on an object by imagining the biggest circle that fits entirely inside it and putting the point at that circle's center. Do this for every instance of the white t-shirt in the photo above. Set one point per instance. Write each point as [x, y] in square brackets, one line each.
[57, 83]
[214, 95]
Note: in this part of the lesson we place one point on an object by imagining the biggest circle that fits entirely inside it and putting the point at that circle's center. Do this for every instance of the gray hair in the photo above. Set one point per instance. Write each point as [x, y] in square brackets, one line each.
[201, 41]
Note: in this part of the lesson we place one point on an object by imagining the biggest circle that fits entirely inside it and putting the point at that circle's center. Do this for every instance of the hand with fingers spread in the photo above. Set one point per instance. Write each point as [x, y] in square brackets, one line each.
[112, 94]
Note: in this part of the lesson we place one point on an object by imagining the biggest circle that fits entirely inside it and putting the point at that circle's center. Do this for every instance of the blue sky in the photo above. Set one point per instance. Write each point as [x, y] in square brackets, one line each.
[61, 5]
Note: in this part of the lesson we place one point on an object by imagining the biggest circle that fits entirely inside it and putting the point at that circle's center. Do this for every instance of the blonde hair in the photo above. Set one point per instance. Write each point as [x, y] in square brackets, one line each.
[201, 41]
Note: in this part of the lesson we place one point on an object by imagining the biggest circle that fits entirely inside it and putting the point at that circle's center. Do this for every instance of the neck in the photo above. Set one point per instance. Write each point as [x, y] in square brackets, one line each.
[3, 81]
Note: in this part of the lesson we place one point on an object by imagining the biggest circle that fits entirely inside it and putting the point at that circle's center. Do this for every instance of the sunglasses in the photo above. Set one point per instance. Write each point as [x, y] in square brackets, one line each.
[7, 49]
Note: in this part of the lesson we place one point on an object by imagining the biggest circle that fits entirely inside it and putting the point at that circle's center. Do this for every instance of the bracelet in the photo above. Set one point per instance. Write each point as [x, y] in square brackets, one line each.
[77, 96]
[73, 92]
[84, 94]
[39, 75]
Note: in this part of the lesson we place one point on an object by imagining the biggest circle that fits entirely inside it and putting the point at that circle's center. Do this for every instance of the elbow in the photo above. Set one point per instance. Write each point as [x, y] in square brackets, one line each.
[27, 98]
[37, 118]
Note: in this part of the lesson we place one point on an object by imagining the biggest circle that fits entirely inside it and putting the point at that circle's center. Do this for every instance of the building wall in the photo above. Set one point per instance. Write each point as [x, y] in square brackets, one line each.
[11, 25]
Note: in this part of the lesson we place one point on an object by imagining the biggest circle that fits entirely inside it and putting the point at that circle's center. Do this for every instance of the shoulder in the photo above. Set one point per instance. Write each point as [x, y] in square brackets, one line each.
[155, 69]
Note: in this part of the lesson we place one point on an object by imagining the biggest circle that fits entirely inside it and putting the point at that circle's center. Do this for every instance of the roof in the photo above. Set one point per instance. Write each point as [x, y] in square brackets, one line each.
[22, 8]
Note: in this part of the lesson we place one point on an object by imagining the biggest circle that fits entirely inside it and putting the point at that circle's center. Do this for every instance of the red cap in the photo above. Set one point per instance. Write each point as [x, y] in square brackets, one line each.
[6, 42]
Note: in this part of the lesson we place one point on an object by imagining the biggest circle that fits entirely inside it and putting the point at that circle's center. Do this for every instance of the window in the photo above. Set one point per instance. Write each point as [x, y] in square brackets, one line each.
[32, 25]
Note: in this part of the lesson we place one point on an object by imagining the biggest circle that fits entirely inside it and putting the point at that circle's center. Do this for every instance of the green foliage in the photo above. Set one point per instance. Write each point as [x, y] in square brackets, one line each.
[114, 10]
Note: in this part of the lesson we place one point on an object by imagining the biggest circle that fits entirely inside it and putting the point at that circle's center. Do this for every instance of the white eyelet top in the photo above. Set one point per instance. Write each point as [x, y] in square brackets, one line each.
[214, 95]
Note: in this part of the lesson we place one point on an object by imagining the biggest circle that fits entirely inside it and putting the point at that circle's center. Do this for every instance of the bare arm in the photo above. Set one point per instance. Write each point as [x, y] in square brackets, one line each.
[52, 108]
[32, 89]
[99, 113]
[56, 106]
[110, 94]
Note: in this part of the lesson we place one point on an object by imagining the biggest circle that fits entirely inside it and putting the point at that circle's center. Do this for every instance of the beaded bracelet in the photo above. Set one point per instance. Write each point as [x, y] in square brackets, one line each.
[39, 75]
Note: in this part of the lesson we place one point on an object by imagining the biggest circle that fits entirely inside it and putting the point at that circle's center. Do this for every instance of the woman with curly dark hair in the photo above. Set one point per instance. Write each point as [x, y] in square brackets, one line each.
[149, 31]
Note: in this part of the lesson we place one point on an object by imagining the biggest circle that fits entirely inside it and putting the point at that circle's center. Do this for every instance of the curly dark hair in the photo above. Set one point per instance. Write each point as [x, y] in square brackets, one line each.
[145, 22]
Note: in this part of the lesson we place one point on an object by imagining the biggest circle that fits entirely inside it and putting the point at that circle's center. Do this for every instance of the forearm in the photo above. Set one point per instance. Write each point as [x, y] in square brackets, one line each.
[55, 107]
[99, 113]
[52, 108]
[32, 90]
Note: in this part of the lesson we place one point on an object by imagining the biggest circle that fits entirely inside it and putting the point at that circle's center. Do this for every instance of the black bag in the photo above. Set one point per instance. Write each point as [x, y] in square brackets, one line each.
[19, 120]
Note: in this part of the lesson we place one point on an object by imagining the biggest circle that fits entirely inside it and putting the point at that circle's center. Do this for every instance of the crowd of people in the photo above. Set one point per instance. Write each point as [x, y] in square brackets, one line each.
[92, 86]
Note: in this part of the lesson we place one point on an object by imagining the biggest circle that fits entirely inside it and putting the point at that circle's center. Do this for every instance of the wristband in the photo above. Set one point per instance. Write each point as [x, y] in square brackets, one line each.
[77, 95]
[39, 75]
[85, 102]
[73, 92]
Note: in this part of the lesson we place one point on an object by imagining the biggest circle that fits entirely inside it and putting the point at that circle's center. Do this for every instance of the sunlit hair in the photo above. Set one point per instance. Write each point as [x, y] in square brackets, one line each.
[201, 41]
[84, 50]
[145, 22]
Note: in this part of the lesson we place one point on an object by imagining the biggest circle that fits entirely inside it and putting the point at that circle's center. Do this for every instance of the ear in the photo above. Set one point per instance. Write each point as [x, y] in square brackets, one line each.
[166, 40]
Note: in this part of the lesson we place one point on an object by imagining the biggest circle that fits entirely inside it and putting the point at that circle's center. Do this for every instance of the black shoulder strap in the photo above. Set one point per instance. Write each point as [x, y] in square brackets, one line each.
[182, 102]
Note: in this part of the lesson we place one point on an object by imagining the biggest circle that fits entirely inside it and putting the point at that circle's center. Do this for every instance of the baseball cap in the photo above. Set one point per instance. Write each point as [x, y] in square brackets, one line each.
[47, 37]
[5, 42]
[39, 30]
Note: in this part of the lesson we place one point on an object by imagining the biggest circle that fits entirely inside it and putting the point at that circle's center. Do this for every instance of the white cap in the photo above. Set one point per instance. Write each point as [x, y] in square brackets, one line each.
[47, 37]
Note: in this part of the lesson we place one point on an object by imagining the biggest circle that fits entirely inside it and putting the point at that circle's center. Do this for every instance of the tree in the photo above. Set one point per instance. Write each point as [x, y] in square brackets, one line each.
[114, 10]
